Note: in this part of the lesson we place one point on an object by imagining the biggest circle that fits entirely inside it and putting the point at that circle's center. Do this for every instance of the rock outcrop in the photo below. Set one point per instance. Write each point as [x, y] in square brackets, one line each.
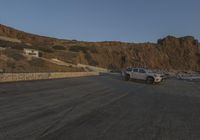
[178, 42]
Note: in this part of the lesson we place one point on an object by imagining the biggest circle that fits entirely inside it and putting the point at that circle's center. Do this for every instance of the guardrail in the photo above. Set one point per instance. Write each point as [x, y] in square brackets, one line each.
[93, 68]
[12, 77]
[190, 77]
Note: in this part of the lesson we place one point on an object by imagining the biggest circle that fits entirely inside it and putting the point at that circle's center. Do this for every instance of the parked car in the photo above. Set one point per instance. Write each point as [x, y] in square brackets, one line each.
[142, 74]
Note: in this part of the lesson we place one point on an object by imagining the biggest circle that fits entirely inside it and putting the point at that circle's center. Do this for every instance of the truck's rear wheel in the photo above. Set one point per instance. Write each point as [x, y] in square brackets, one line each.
[127, 77]
[150, 80]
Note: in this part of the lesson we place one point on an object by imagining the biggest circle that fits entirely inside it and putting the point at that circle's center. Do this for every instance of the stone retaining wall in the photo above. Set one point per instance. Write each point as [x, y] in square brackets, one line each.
[11, 77]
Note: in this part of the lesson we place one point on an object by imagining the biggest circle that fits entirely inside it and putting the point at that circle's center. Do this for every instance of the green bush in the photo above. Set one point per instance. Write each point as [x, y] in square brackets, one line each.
[78, 49]
[59, 47]
[45, 49]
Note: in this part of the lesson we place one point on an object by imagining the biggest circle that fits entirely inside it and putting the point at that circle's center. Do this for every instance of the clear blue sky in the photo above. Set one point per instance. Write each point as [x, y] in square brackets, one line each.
[100, 20]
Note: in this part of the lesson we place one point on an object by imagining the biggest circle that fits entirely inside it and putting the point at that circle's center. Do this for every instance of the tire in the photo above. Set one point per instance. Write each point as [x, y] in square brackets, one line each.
[127, 77]
[150, 80]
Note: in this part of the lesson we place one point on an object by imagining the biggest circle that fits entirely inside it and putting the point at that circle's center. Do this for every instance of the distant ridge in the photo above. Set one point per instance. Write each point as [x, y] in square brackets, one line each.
[25, 37]
[169, 53]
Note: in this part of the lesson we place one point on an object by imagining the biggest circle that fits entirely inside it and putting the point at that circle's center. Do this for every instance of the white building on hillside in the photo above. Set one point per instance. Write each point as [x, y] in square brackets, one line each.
[32, 52]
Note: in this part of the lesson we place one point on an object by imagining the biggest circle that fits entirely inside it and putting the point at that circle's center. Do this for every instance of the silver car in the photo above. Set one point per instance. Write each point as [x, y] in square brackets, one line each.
[142, 74]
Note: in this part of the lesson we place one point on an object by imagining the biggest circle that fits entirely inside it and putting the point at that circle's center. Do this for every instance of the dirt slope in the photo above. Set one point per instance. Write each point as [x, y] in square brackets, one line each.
[168, 53]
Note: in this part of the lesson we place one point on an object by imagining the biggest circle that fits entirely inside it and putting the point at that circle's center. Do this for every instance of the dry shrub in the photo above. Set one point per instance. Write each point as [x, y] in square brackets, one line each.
[59, 47]
[16, 55]
[37, 62]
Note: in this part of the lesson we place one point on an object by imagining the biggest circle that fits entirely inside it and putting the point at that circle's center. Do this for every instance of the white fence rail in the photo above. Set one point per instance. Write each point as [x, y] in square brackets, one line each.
[11, 77]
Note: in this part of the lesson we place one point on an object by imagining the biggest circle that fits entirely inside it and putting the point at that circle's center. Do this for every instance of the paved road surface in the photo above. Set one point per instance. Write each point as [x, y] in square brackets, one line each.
[99, 108]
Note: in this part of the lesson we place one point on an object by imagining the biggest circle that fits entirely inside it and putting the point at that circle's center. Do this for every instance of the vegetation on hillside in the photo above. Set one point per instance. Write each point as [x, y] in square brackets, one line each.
[168, 53]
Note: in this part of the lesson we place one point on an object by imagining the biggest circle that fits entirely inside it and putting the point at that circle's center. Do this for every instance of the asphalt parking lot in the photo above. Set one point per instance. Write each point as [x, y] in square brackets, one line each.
[99, 108]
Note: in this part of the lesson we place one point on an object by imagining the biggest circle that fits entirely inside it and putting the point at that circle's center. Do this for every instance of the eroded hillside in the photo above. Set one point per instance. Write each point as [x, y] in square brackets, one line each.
[168, 53]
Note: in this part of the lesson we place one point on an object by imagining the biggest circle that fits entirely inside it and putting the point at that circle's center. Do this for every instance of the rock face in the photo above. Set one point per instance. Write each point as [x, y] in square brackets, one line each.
[168, 53]
[178, 42]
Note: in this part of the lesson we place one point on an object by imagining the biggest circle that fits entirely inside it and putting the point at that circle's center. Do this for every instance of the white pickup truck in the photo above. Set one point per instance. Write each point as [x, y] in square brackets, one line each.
[142, 74]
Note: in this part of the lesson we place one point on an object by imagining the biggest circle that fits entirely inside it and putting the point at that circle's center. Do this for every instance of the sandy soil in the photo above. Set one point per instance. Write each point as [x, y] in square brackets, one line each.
[99, 108]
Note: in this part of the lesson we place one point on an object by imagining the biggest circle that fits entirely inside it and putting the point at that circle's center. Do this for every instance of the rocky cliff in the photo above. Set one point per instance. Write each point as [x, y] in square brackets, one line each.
[168, 53]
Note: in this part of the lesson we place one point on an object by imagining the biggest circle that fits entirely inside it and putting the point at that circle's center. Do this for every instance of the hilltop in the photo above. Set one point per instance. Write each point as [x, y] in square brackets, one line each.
[169, 53]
